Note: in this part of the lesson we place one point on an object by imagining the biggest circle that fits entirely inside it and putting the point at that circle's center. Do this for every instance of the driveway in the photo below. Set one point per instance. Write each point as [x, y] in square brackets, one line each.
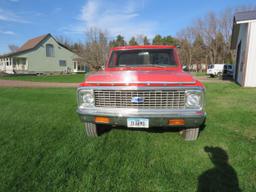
[30, 84]
[205, 79]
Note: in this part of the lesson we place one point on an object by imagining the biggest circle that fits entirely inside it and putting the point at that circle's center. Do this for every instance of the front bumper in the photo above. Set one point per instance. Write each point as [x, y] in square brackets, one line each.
[157, 118]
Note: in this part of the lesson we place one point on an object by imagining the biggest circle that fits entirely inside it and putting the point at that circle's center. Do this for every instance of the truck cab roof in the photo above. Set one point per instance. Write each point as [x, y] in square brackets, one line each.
[143, 47]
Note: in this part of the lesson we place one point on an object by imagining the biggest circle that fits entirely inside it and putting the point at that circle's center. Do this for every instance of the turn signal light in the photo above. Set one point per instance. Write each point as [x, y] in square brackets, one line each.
[102, 120]
[176, 122]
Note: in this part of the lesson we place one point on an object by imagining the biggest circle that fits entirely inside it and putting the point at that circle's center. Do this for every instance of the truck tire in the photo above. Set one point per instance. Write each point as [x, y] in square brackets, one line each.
[91, 129]
[219, 74]
[190, 134]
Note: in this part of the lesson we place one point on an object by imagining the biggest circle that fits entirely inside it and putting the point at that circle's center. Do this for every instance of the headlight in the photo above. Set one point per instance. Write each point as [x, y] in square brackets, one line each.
[194, 99]
[85, 98]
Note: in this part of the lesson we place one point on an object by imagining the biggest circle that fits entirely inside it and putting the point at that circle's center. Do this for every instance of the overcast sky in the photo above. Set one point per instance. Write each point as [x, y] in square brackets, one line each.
[21, 20]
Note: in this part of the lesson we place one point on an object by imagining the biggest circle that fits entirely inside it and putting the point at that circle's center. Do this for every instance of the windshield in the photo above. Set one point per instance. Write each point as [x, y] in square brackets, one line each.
[143, 58]
[210, 66]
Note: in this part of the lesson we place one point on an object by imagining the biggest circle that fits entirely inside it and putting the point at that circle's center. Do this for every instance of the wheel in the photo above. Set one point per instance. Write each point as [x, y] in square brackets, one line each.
[190, 134]
[91, 129]
[219, 74]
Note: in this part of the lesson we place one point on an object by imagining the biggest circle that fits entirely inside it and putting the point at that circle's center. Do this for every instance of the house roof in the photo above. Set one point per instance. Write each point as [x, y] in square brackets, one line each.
[240, 18]
[245, 16]
[33, 43]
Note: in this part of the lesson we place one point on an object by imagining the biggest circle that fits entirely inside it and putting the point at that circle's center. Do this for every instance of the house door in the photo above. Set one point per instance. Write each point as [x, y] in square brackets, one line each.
[237, 61]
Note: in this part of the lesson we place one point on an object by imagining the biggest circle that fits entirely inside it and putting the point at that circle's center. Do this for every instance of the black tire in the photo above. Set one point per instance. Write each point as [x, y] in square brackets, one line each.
[190, 134]
[91, 129]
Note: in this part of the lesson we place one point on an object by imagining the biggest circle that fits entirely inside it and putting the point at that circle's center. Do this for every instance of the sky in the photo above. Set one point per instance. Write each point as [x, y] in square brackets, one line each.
[21, 20]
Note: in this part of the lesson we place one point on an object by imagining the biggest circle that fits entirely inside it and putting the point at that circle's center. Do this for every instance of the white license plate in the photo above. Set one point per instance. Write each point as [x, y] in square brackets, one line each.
[138, 122]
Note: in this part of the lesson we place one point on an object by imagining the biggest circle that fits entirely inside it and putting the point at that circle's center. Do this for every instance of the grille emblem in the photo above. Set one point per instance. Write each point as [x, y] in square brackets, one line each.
[137, 100]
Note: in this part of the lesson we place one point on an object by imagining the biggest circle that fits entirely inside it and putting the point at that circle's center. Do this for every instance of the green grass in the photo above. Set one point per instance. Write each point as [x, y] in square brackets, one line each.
[74, 78]
[43, 146]
[198, 73]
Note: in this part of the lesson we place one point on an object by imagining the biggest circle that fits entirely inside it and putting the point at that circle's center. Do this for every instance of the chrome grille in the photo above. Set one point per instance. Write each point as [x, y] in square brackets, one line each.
[153, 99]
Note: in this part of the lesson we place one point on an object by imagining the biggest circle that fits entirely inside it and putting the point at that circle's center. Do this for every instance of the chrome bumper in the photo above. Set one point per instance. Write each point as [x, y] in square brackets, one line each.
[157, 118]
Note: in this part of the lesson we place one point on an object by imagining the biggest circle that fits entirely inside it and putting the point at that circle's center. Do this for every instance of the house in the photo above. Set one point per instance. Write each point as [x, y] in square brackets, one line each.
[244, 41]
[43, 54]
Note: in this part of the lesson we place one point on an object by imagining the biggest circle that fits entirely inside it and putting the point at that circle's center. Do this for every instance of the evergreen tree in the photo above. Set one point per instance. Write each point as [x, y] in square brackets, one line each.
[157, 40]
[119, 41]
[146, 41]
[168, 40]
[133, 41]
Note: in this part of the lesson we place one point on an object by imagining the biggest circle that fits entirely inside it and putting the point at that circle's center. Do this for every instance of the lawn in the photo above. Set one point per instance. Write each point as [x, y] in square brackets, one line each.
[198, 74]
[43, 147]
[74, 78]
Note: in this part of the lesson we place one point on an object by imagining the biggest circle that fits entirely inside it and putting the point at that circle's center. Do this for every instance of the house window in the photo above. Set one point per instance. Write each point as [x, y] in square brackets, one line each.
[49, 50]
[74, 64]
[62, 63]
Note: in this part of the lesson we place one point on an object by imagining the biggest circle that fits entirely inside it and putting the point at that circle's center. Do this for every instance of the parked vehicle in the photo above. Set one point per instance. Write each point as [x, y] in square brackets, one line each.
[228, 70]
[215, 70]
[142, 87]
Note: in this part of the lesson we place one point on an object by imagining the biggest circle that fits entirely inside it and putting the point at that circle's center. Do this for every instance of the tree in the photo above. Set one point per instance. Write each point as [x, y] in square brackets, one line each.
[157, 40]
[140, 39]
[198, 49]
[119, 41]
[146, 41]
[133, 41]
[168, 40]
[213, 31]
[186, 38]
[13, 48]
[65, 41]
[95, 49]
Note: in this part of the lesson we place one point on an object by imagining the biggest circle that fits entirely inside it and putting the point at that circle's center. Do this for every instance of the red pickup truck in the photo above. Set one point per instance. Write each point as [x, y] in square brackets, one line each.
[142, 87]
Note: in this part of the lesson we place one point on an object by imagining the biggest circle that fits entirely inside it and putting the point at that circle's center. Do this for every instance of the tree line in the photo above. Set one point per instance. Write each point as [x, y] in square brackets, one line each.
[206, 41]
[94, 51]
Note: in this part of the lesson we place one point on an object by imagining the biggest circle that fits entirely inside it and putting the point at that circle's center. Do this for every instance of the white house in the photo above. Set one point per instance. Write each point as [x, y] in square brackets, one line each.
[244, 41]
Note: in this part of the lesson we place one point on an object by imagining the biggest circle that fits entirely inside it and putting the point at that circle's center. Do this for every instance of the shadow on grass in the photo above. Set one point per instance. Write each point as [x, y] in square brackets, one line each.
[227, 78]
[222, 177]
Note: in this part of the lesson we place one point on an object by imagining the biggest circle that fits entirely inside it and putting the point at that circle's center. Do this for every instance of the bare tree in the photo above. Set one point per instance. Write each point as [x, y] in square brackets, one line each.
[186, 38]
[13, 48]
[140, 39]
[65, 41]
[215, 29]
[95, 49]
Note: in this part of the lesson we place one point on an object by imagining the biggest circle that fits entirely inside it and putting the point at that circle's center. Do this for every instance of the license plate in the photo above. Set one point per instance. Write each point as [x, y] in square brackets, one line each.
[138, 122]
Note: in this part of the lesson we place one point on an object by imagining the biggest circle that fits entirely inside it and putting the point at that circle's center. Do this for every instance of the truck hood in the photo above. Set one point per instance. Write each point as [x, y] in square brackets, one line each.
[139, 77]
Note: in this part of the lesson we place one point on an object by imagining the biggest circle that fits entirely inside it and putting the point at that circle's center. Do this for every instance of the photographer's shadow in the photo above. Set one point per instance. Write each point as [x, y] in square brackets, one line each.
[222, 177]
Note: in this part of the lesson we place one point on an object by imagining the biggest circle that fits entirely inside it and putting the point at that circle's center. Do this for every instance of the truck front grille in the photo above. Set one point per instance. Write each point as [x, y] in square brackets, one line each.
[149, 99]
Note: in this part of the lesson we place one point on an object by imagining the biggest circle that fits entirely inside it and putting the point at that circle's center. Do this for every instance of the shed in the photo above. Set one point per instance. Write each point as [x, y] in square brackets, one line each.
[243, 40]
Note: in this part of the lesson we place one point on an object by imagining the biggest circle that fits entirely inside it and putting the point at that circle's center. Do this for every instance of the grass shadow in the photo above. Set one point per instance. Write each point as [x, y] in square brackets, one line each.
[222, 177]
